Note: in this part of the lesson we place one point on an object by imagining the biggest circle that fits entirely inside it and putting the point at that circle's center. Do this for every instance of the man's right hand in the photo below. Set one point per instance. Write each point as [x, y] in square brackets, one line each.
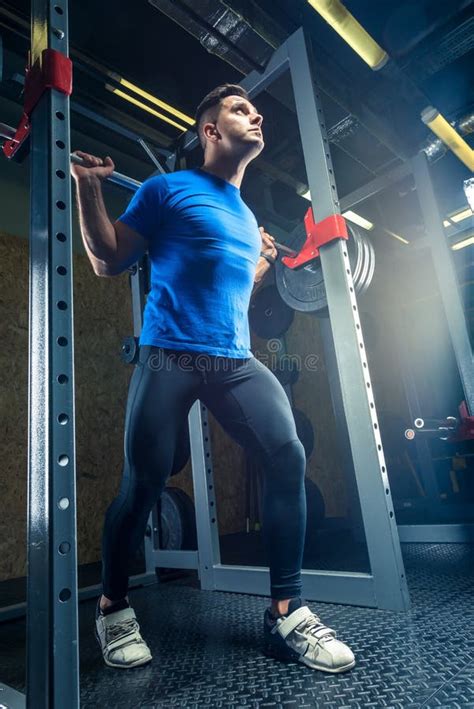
[92, 167]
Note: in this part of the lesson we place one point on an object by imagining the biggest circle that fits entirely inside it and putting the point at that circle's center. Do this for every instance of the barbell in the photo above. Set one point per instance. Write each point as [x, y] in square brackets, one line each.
[302, 289]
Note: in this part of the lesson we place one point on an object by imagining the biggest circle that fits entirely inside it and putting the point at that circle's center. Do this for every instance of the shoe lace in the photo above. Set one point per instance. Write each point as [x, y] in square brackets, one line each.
[121, 628]
[313, 626]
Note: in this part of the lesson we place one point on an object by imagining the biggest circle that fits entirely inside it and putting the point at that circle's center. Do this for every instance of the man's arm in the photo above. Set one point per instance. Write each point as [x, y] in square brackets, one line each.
[263, 266]
[111, 248]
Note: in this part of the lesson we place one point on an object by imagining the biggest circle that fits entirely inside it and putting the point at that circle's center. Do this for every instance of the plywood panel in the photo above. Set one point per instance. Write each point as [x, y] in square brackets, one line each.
[312, 395]
[102, 317]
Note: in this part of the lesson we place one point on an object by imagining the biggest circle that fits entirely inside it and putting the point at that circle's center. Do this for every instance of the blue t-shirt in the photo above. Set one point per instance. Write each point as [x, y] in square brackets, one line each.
[203, 244]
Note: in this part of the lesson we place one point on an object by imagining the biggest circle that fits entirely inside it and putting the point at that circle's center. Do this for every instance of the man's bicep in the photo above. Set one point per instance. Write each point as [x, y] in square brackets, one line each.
[131, 245]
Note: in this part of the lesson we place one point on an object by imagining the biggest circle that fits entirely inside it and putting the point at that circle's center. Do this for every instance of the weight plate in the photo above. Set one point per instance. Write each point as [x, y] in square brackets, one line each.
[171, 521]
[269, 316]
[130, 349]
[357, 257]
[189, 519]
[359, 284]
[177, 520]
[369, 252]
[371, 272]
[303, 289]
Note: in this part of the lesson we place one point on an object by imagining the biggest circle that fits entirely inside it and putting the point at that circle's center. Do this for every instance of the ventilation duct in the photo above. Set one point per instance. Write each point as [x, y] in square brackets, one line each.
[220, 30]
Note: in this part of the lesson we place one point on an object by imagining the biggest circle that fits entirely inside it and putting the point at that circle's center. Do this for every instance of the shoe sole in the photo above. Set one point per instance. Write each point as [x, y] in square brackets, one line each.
[137, 663]
[269, 652]
[335, 671]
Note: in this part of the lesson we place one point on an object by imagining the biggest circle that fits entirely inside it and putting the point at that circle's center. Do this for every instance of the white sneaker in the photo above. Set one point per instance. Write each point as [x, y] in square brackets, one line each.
[118, 635]
[301, 636]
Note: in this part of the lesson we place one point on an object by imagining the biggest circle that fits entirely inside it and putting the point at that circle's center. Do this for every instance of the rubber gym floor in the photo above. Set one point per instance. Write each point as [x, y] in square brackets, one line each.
[207, 648]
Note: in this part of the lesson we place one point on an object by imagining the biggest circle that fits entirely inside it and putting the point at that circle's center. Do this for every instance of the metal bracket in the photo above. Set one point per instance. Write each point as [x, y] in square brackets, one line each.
[317, 234]
[53, 70]
[465, 430]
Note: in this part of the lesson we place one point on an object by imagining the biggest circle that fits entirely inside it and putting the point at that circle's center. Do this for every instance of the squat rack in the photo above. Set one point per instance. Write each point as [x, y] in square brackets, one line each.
[52, 651]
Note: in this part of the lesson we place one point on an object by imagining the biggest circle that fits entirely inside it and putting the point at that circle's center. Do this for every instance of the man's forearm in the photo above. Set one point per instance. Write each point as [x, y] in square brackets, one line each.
[98, 232]
[261, 271]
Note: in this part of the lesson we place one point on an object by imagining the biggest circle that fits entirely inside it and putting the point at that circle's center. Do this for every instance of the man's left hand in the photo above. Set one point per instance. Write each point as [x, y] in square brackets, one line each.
[268, 246]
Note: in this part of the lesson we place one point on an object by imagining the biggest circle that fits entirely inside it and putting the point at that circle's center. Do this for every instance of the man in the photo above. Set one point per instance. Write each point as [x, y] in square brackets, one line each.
[207, 252]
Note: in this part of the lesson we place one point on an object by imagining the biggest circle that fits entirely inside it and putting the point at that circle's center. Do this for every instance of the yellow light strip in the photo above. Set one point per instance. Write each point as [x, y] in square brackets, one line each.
[143, 106]
[152, 99]
[136, 89]
[396, 236]
[462, 244]
[445, 132]
[446, 223]
[351, 31]
[462, 214]
[357, 219]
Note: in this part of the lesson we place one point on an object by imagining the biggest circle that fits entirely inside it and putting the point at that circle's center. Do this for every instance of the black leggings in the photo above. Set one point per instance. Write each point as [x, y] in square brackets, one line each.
[252, 407]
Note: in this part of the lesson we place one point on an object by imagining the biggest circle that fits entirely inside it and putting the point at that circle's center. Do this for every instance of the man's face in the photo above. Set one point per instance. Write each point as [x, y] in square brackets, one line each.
[239, 127]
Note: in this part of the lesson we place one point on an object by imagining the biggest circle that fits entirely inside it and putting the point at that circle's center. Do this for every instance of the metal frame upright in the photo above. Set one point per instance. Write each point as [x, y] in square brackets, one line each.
[385, 586]
[52, 625]
[52, 675]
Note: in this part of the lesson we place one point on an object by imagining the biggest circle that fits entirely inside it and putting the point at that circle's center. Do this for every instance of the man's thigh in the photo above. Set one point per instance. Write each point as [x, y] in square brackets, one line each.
[251, 406]
[160, 395]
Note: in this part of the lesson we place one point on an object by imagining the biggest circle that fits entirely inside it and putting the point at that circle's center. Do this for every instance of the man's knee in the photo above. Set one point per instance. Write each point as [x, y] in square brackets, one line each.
[290, 459]
[143, 493]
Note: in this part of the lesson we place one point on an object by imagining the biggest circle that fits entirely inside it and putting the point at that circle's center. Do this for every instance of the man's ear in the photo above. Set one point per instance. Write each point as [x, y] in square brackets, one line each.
[211, 132]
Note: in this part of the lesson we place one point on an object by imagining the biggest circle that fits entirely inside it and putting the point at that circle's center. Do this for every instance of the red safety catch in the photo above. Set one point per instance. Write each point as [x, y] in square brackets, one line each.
[317, 235]
[465, 430]
[54, 71]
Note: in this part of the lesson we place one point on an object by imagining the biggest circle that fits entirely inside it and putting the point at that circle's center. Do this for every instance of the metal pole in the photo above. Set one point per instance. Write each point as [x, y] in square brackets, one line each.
[52, 627]
[204, 495]
[358, 399]
[116, 178]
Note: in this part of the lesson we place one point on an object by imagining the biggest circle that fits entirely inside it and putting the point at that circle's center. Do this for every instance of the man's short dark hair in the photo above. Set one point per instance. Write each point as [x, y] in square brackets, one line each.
[214, 97]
